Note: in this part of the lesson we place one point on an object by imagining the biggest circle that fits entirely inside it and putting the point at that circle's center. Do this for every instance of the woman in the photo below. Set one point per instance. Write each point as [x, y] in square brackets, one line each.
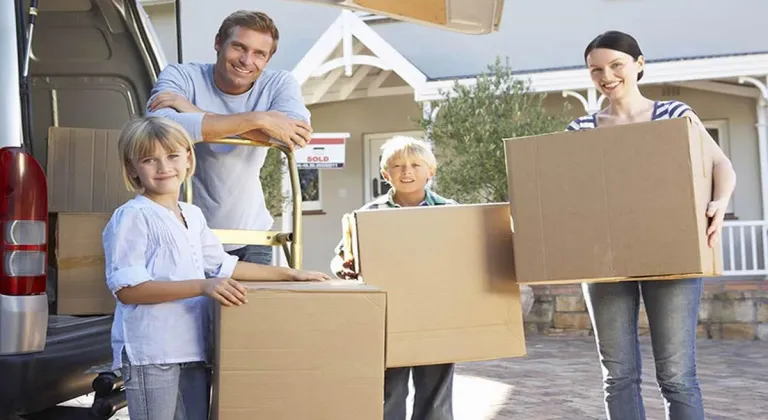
[616, 64]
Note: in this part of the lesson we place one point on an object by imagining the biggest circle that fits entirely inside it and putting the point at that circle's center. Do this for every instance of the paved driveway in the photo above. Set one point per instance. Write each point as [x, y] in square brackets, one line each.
[560, 379]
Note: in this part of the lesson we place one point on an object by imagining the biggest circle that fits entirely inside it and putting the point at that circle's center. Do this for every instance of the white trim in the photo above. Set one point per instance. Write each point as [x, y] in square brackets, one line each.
[363, 60]
[718, 87]
[359, 94]
[323, 47]
[655, 73]
[346, 26]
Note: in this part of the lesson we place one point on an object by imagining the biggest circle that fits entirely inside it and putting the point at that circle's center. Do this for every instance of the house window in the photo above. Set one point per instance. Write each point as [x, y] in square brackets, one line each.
[310, 189]
[718, 129]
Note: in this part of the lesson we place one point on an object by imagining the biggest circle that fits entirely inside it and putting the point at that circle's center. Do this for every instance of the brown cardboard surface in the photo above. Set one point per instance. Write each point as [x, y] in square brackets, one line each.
[449, 276]
[79, 261]
[433, 11]
[613, 203]
[84, 171]
[301, 351]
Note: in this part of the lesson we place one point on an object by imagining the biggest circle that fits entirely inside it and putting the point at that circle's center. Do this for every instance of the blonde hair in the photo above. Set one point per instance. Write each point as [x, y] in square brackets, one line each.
[139, 138]
[408, 148]
[255, 21]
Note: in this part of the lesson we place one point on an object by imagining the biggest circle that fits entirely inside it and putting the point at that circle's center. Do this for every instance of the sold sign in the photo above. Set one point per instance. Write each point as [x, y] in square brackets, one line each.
[324, 151]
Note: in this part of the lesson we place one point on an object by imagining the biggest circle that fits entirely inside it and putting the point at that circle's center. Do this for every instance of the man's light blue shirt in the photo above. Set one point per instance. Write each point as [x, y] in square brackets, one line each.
[226, 185]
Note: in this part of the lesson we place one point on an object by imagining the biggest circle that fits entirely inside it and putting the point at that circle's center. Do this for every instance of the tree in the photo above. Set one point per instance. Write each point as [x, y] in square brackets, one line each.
[470, 126]
[271, 181]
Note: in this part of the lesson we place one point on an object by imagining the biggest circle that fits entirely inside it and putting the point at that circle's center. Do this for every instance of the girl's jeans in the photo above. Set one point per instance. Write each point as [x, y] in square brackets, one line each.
[673, 308]
[166, 392]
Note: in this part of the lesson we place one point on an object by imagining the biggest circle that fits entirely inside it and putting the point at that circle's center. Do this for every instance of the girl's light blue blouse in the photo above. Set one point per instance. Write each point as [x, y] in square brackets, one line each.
[144, 241]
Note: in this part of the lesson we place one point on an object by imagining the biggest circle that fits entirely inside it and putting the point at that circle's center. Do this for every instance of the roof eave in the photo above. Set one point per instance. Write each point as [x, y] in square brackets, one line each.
[655, 73]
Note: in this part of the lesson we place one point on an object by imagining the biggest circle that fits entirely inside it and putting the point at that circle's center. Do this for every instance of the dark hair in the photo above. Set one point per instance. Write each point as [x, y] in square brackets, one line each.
[617, 41]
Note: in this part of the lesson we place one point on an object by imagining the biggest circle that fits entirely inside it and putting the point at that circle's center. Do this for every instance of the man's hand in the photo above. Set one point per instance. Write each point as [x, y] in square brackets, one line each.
[716, 213]
[284, 129]
[227, 291]
[172, 100]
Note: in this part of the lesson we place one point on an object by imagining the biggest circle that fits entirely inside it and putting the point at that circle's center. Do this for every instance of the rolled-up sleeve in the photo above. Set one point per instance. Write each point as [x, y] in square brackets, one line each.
[216, 261]
[125, 245]
[172, 79]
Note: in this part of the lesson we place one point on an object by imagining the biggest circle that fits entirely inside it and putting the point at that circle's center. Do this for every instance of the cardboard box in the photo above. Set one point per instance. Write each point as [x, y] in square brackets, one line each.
[449, 276]
[78, 260]
[625, 202]
[301, 351]
[84, 171]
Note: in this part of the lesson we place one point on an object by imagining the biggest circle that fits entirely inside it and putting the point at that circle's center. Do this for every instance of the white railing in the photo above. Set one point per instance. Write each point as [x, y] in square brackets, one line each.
[745, 248]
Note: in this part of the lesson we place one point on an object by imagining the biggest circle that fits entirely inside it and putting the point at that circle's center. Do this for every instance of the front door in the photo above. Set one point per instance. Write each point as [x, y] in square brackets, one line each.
[375, 185]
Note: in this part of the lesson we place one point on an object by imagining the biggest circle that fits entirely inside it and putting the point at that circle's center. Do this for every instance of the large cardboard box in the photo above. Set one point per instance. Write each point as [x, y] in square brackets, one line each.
[613, 203]
[78, 261]
[84, 171]
[301, 351]
[449, 276]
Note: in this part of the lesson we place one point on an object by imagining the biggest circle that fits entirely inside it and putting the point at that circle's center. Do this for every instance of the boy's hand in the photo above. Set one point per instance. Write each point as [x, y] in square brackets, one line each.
[225, 290]
[348, 271]
[301, 275]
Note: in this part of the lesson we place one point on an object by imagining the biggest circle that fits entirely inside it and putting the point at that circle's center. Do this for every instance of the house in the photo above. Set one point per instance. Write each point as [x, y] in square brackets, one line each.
[372, 78]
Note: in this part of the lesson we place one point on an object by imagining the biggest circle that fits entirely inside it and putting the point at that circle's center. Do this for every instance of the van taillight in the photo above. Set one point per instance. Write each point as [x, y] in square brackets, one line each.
[23, 223]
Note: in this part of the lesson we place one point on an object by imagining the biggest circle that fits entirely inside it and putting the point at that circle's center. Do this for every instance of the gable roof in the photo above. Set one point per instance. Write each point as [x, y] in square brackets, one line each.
[538, 36]
[342, 31]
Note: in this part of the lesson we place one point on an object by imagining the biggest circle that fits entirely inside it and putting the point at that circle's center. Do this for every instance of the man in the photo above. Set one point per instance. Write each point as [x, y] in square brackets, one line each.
[235, 96]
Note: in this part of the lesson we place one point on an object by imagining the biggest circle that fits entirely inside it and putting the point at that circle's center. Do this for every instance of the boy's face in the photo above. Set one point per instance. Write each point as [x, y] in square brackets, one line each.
[162, 172]
[408, 174]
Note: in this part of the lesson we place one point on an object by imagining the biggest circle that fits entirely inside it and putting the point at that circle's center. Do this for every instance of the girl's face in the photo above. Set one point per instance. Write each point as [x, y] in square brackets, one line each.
[162, 172]
[614, 73]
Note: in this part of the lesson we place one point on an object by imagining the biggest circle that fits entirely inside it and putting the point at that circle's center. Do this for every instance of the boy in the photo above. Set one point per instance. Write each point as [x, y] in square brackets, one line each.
[408, 165]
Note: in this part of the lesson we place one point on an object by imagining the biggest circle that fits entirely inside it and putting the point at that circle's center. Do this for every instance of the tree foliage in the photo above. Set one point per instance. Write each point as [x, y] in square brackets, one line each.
[470, 126]
[271, 181]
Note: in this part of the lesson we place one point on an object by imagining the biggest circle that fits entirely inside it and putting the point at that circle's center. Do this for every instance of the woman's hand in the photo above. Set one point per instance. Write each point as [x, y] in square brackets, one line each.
[716, 214]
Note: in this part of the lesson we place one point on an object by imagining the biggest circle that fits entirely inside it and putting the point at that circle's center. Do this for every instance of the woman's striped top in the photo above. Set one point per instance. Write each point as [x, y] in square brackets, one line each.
[662, 110]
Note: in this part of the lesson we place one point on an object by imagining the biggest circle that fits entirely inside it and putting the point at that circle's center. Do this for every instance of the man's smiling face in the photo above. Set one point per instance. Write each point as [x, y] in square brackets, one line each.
[241, 58]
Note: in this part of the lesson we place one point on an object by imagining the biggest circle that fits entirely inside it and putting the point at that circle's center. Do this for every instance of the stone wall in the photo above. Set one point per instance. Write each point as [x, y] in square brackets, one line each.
[731, 310]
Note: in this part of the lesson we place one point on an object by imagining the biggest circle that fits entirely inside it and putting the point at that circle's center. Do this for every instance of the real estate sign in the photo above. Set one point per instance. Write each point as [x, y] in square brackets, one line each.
[325, 151]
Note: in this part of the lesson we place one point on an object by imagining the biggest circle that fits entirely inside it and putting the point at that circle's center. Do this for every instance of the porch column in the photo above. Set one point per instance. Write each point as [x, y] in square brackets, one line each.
[762, 136]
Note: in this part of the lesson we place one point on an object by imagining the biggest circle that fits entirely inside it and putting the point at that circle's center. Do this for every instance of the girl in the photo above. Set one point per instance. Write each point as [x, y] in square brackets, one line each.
[616, 64]
[163, 264]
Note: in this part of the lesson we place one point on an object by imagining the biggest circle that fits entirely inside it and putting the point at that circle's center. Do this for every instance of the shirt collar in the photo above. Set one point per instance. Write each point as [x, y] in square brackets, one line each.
[430, 198]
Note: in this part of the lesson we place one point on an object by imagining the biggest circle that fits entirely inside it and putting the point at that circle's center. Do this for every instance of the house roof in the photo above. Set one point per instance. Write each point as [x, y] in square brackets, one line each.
[552, 34]
[543, 38]
[545, 35]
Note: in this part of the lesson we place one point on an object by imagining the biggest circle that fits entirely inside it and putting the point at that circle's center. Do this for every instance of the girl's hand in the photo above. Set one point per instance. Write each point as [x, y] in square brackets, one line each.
[301, 275]
[225, 290]
[716, 213]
